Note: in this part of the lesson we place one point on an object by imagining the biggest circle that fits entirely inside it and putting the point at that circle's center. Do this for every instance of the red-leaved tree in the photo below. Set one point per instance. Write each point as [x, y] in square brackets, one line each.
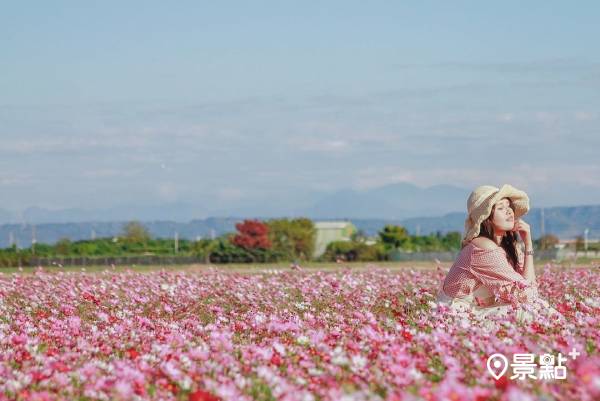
[252, 234]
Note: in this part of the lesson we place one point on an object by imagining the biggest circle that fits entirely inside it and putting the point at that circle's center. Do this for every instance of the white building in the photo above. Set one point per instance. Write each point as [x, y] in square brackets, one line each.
[330, 231]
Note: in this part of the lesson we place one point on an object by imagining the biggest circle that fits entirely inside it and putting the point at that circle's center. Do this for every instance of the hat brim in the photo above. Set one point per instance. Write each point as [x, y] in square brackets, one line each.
[520, 202]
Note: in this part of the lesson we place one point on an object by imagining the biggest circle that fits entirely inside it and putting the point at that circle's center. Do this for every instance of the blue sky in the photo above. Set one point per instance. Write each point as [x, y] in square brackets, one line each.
[150, 102]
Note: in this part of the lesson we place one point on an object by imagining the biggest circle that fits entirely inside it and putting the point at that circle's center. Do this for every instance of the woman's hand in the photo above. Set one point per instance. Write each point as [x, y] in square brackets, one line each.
[523, 229]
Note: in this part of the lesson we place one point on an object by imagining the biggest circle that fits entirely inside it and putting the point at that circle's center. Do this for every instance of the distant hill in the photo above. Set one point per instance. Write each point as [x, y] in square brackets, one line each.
[181, 212]
[49, 233]
[565, 222]
[396, 201]
[6, 216]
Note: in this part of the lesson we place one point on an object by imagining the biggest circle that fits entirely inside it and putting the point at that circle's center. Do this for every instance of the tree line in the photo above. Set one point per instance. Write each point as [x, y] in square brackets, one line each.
[254, 241]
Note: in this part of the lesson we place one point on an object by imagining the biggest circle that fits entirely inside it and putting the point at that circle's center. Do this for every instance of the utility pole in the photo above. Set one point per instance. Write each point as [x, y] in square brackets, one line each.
[176, 242]
[93, 234]
[543, 228]
[11, 239]
[585, 238]
[33, 240]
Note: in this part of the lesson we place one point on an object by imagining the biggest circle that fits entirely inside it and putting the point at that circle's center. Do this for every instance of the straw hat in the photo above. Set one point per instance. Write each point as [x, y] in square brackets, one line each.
[481, 201]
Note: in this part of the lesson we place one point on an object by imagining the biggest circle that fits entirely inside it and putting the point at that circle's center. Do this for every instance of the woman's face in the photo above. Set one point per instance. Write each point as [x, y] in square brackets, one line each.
[503, 217]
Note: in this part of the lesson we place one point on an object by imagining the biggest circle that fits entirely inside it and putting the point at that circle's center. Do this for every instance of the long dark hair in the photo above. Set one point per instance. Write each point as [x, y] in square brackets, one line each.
[509, 240]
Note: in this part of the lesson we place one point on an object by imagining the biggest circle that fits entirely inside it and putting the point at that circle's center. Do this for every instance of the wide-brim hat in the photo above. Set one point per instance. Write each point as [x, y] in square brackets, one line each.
[482, 200]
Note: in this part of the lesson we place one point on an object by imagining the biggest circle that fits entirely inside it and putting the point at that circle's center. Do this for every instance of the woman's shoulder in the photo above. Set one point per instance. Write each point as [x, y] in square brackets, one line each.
[485, 244]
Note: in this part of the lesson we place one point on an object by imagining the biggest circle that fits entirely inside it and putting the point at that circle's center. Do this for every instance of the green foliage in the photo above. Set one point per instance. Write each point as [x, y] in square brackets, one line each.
[431, 243]
[204, 247]
[359, 236]
[12, 257]
[260, 391]
[354, 251]
[546, 242]
[452, 240]
[101, 247]
[393, 237]
[134, 232]
[224, 251]
[579, 243]
[62, 247]
[292, 239]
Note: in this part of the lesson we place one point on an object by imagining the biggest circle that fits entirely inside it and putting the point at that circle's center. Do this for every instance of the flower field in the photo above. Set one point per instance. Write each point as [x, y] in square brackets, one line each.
[280, 335]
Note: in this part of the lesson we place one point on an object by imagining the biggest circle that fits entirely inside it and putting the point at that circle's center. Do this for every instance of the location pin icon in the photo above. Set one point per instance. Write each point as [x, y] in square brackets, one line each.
[497, 365]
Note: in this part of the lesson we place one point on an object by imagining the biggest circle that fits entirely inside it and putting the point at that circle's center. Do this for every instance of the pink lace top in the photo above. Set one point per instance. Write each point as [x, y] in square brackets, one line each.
[475, 267]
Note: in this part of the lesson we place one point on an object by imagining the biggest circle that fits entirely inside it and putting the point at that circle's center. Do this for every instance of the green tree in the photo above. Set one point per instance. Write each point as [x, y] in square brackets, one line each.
[452, 241]
[63, 246]
[547, 241]
[226, 252]
[204, 248]
[426, 243]
[292, 239]
[579, 243]
[359, 236]
[353, 251]
[393, 237]
[134, 232]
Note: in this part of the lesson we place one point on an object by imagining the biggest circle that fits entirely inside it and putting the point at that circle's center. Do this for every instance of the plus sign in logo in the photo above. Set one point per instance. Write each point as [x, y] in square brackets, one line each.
[574, 353]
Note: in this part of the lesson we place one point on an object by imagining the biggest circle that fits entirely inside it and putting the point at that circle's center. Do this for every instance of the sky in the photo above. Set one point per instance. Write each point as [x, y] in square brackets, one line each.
[228, 102]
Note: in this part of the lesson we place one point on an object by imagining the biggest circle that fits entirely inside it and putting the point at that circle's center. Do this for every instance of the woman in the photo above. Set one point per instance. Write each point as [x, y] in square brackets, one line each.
[491, 275]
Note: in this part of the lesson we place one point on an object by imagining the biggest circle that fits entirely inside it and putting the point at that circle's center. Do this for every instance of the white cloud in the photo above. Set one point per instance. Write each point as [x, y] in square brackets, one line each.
[423, 177]
[70, 144]
[15, 179]
[554, 174]
[230, 194]
[373, 141]
[110, 173]
[320, 145]
[585, 116]
[525, 176]
[506, 117]
[547, 118]
[553, 66]
[167, 191]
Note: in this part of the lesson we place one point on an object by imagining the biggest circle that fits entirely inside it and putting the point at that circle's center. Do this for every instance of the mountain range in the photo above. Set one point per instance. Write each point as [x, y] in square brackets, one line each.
[420, 210]
[395, 201]
[564, 222]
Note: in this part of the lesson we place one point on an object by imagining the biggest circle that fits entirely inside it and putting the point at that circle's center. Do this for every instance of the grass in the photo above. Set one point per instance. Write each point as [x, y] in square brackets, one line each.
[283, 266]
[231, 267]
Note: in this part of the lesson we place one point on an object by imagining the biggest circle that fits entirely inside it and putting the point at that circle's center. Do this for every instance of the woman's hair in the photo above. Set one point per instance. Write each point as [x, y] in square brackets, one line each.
[509, 240]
